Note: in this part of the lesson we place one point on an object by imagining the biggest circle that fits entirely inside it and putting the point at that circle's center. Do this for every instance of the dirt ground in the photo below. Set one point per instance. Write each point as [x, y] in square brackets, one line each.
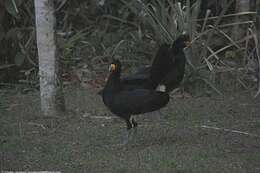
[192, 134]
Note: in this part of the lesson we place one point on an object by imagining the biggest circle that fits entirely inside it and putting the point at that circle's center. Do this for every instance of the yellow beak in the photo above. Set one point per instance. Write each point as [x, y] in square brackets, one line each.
[112, 67]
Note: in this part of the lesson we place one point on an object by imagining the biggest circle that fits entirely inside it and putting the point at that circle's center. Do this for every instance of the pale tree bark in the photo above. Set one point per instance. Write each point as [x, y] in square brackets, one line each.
[52, 100]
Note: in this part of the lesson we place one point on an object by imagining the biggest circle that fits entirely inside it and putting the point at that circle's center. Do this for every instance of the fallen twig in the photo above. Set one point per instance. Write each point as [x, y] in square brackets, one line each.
[229, 130]
[36, 124]
[97, 117]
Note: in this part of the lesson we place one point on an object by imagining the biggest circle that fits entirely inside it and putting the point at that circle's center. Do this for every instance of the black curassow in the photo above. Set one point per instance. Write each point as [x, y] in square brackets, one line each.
[166, 70]
[125, 102]
[168, 66]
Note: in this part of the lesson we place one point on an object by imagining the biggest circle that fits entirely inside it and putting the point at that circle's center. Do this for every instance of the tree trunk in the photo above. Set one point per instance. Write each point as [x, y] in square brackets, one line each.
[52, 100]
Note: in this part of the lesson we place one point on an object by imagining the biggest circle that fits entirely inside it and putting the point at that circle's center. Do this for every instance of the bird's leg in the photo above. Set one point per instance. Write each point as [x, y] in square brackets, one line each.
[134, 125]
[129, 126]
[133, 122]
[134, 129]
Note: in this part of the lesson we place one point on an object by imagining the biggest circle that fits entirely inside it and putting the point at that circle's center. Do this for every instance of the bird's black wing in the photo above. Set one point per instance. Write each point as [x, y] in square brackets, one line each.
[145, 71]
[139, 80]
[141, 74]
[139, 101]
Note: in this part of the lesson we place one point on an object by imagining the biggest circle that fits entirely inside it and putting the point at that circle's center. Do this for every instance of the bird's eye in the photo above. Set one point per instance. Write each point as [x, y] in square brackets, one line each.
[112, 67]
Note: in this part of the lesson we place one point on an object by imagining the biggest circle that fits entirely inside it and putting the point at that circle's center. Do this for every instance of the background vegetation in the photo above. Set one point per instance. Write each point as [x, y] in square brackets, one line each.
[191, 134]
[90, 33]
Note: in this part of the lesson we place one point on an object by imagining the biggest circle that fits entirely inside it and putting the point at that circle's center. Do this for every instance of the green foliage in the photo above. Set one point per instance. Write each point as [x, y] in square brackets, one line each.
[12, 6]
[211, 39]
[69, 45]
[16, 35]
[131, 31]
[19, 58]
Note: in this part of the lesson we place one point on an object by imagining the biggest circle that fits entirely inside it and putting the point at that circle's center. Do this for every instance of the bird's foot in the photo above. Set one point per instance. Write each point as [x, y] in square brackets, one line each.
[131, 130]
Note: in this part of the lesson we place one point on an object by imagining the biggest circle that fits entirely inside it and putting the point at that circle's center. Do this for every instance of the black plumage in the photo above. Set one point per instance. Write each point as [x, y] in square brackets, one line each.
[168, 66]
[167, 69]
[126, 102]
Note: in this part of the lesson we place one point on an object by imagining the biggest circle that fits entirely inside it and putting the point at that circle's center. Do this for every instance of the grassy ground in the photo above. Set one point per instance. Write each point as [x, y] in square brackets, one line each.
[89, 138]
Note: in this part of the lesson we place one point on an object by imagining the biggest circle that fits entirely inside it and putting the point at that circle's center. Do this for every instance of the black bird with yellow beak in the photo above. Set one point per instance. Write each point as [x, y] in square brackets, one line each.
[167, 69]
[124, 102]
